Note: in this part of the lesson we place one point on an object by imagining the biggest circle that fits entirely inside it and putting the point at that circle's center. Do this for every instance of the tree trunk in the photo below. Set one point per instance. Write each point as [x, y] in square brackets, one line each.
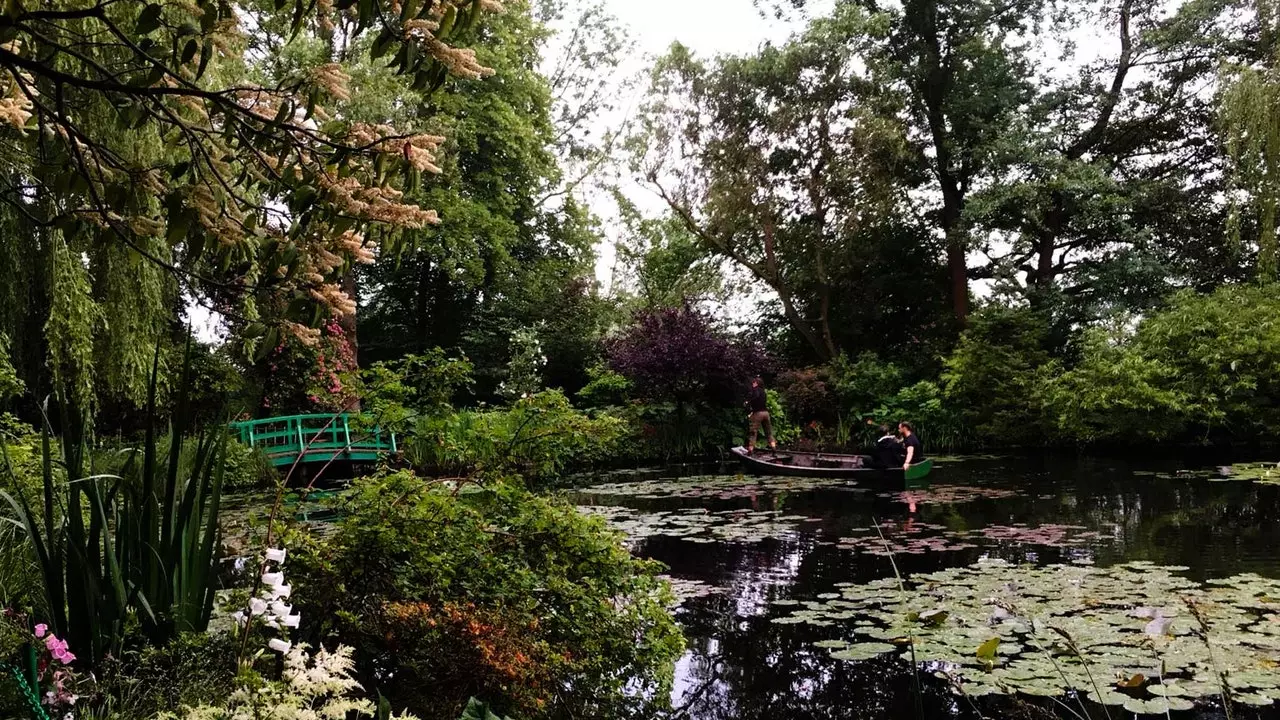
[348, 323]
[959, 268]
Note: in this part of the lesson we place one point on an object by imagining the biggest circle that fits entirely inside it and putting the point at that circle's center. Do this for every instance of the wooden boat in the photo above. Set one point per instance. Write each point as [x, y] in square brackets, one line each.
[806, 464]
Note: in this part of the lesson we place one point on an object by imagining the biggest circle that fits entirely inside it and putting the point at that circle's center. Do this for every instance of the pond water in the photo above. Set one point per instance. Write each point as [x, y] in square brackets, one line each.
[1125, 584]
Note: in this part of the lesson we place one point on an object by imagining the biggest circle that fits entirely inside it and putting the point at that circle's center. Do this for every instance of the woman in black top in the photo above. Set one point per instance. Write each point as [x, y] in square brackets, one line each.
[888, 452]
[911, 441]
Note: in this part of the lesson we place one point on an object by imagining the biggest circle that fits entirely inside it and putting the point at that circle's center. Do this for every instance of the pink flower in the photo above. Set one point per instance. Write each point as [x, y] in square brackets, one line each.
[64, 657]
[55, 645]
[41, 629]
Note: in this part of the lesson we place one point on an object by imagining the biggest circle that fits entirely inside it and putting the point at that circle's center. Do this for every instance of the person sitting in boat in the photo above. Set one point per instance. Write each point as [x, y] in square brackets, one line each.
[910, 441]
[758, 405]
[888, 452]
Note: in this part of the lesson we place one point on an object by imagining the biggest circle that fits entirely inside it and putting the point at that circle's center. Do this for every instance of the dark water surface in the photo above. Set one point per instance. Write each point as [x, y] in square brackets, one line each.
[740, 664]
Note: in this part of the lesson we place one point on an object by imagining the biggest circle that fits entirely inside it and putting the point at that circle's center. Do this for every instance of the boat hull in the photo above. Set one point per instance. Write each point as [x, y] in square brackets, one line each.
[798, 464]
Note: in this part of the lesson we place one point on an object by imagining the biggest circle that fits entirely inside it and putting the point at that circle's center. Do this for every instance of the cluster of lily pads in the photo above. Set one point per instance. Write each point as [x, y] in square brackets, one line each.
[949, 495]
[698, 525]
[910, 538]
[723, 487]
[1267, 473]
[917, 538]
[685, 589]
[1135, 635]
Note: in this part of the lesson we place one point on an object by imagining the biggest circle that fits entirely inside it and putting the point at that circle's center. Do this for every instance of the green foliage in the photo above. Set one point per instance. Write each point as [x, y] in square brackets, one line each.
[1249, 120]
[516, 250]
[1115, 395]
[785, 431]
[141, 545]
[496, 594]
[926, 408]
[10, 384]
[244, 467]
[193, 668]
[398, 391]
[538, 437]
[995, 376]
[863, 384]
[524, 369]
[606, 388]
[1222, 352]
[20, 584]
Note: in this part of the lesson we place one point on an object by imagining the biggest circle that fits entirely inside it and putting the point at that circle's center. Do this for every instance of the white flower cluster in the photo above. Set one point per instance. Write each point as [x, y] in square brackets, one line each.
[270, 605]
[312, 687]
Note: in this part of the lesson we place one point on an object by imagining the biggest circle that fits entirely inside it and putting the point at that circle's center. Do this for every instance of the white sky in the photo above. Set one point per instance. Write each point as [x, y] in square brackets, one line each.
[708, 27]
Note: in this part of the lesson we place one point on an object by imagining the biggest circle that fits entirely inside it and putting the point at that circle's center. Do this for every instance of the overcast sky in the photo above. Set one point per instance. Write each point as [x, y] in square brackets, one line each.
[708, 27]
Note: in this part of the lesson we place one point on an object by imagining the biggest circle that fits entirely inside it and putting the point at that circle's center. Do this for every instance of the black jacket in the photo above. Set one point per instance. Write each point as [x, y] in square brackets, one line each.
[888, 453]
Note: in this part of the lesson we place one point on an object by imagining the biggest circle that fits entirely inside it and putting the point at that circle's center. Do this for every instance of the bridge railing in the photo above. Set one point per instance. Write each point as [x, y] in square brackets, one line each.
[315, 437]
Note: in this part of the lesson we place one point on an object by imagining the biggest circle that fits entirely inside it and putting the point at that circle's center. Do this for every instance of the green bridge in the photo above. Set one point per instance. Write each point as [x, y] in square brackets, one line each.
[314, 438]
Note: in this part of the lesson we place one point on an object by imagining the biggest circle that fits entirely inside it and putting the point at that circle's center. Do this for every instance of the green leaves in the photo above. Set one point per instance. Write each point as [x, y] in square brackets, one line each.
[149, 19]
[476, 710]
[139, 543]
[986, 652]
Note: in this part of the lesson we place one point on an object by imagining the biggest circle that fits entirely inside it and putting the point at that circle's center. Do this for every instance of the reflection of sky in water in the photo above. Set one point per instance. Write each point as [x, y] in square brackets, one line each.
[1033, 510]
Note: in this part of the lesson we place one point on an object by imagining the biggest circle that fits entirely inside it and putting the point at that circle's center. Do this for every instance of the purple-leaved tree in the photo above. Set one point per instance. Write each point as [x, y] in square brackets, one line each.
[677, 355]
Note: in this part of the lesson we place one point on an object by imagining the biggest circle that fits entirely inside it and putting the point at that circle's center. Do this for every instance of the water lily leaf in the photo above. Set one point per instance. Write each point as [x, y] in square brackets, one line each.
[1108, 697]
[1133, 681]
[987, 650]
[934, 617]
[863, 651]
[1254, 699]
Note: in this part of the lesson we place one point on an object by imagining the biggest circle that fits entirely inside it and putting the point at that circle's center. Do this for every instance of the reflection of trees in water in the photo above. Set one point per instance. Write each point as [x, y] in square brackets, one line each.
[740, 665]
[754, 669]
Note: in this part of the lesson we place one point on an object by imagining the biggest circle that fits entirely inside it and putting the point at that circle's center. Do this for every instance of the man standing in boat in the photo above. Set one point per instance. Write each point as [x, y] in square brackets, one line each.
[758, 404]
[910, 441]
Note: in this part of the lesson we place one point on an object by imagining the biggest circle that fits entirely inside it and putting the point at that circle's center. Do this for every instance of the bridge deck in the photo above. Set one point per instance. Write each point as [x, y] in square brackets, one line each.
[316, 438]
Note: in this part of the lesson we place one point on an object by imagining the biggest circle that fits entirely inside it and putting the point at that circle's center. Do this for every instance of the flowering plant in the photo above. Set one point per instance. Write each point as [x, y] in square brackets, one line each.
[48, 683]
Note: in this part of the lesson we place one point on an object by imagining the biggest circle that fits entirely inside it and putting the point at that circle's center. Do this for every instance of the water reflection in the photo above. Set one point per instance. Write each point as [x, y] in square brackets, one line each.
[1029, 510]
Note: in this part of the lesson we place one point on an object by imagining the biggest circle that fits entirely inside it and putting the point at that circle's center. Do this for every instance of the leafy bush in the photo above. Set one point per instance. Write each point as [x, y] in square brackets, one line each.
[996, 376]
[21, 477]
[538, 437]
[863, 384]
[399, 392]
[496, 593]
[676, 355]
[604, 389]
[924, 406]
[245, 467]
[194, 668]
[1222, 352]
[808, 395]
[1115, 394]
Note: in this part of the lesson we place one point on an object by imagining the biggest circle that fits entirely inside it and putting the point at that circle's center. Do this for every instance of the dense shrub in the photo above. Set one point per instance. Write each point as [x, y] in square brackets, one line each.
[676, 355]
[538, 437]
[1220, 355]
[864, 384]
[20, 477]
[996, 376]
[496, 593]
[807, 395]
[1116, 395]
